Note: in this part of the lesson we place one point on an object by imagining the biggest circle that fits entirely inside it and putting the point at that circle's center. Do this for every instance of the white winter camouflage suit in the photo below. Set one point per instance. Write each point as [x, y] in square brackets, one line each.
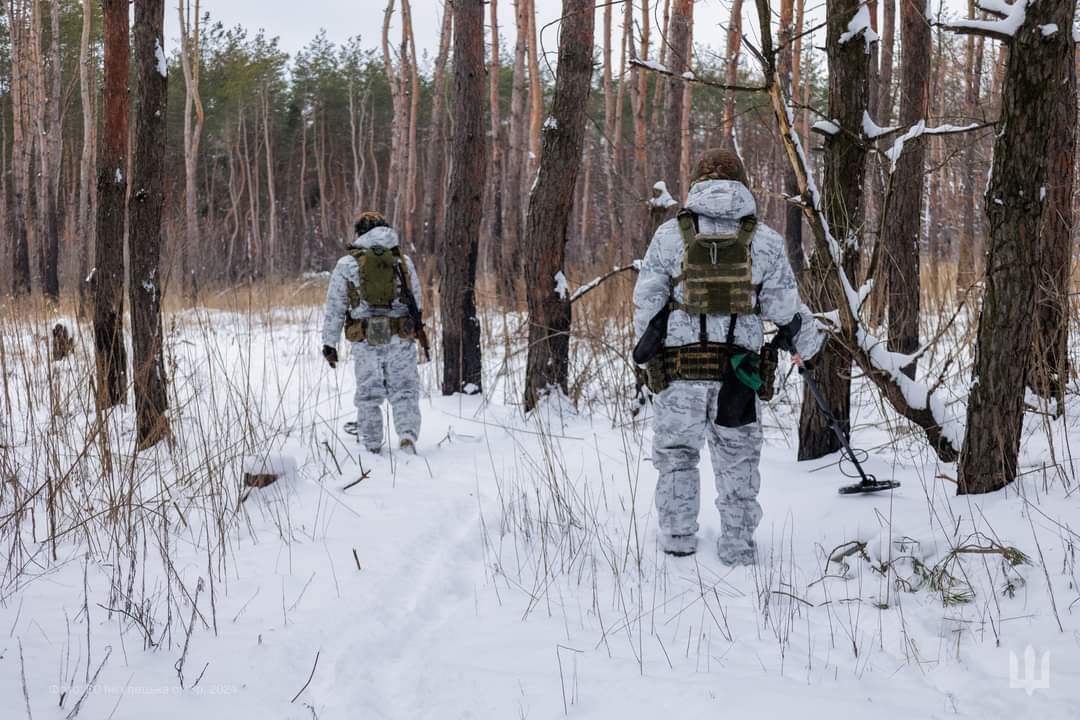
[685, 411]
[382, 372]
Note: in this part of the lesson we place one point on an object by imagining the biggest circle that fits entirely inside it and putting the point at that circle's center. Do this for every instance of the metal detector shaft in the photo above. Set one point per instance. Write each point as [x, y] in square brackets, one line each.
[834, 424]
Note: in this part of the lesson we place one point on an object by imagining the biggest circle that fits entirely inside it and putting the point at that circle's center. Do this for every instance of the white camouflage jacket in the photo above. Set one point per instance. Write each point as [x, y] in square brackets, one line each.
[719, 205]
[347, 270]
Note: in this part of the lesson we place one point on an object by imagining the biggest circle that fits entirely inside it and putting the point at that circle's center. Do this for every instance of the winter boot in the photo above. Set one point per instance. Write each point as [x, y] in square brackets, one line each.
[408, 445]
[678, 545]
[736, 550]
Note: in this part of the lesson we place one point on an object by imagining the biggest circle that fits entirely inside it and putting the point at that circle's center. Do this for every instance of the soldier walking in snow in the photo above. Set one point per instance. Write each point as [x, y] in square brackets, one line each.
[374, 296]
[709, 278]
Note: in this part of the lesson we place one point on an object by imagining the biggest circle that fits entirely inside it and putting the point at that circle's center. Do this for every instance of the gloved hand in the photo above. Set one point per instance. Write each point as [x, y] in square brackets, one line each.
[786, 334]
[330, 353]
[806, 364]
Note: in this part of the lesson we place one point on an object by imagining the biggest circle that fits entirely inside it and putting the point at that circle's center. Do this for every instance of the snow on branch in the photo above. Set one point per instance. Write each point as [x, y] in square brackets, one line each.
[598, 281]
[689, 77]
[1010, 18]
[919, 129]
[860, 25]
[872, 130]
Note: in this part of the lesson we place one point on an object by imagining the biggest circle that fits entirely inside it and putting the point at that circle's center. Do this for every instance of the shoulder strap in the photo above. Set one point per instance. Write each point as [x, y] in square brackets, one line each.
[747, 229]
[687, 224]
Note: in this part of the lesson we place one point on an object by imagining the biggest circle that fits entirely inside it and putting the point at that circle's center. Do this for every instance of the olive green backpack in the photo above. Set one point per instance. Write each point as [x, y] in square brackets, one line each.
[378, 276]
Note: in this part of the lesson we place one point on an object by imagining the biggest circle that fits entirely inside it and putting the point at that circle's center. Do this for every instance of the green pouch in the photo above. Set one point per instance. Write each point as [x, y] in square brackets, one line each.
[747, 367]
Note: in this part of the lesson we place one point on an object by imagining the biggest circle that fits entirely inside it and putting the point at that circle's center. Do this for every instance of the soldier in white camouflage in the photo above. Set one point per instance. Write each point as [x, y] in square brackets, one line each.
[368, 298]
[700, 394]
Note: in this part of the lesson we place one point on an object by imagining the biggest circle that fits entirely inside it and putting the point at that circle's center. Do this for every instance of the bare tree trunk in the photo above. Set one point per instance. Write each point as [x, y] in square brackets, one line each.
[885, 73]
[462, 366]
[271, 185]
[1050, 374]
[1036, 75]
[144, 286]
[686, 148]
[191, 61]
[639, 91]
[788, 68]
[493, 213]
[902, 213]
[536, 91]
[110, 354]
[86, 164]
[394, 170]
[966, 272]
[411, 75]
[845, 162]
[516, 162]
[435, 174]
[21, 147]
[550, 206]
[678, 63]
[731, 72]
[49, 143]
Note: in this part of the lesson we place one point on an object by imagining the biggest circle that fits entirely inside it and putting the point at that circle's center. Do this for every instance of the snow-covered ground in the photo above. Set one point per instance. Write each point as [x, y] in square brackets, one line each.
[508, 571]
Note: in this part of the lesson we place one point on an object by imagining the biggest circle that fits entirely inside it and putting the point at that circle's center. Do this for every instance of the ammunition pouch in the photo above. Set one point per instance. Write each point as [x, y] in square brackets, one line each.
[770, 362]
[656, 378]
[379, 330]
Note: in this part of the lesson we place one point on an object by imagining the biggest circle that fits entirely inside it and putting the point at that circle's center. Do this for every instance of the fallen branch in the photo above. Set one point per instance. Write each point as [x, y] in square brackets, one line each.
[597, 282]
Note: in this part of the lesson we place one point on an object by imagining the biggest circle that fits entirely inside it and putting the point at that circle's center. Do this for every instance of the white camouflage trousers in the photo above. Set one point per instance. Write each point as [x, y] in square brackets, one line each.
[685, 420]
[386, 372]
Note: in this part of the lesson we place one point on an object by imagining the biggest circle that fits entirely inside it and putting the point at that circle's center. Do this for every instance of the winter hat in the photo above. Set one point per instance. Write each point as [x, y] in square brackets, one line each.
[719, 164]
[369, 221]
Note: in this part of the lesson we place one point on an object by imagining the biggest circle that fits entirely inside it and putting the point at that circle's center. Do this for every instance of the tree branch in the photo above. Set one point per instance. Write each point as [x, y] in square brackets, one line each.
[660, 70]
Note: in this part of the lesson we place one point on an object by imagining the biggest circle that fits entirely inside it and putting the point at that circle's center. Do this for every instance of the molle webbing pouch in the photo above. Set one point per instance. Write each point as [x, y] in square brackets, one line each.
[717, 269]
[378, 278]
[378, 330]
[702, 362]
[354, 329]
[770, 361]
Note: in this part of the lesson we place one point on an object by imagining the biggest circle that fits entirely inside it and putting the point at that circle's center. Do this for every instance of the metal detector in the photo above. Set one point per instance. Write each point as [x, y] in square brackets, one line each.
[869, 483]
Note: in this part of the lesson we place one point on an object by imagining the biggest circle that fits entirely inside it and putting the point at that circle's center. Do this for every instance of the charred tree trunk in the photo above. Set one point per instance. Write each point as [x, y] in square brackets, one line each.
[1036, 75]
[148, 198]
[902, 215]
[461, 328]
[845, 162]
[109, 351]
[550, 206]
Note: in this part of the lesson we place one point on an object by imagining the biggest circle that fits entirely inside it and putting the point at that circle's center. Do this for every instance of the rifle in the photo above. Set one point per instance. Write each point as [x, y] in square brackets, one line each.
[414, 312]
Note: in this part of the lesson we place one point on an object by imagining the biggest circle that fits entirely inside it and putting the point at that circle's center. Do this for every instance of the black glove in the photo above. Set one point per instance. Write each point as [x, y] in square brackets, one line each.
[330, 353]
[786, 334]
